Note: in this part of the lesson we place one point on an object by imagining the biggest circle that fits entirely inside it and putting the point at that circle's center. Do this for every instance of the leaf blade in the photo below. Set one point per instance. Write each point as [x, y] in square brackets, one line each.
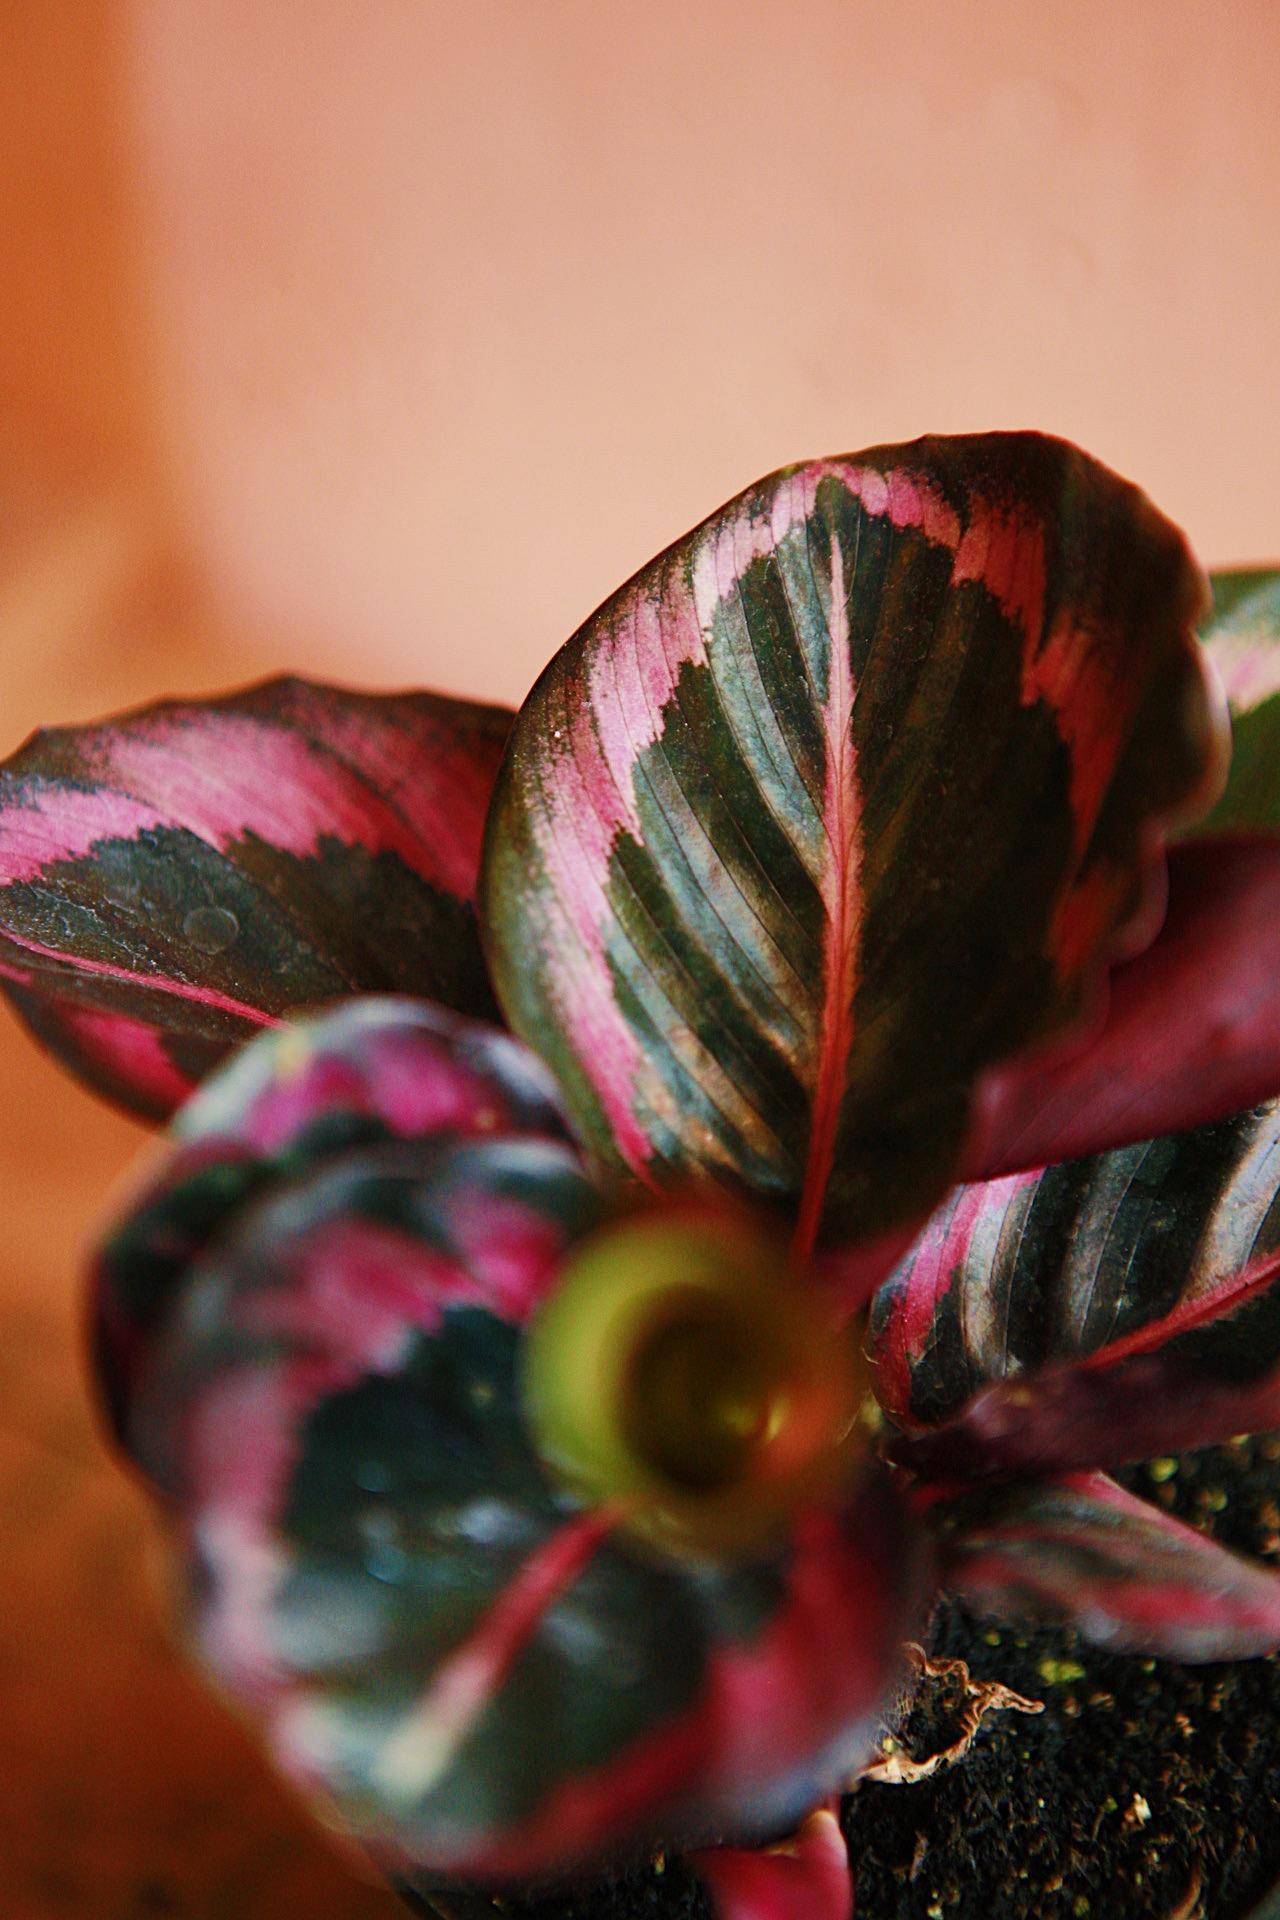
[1092, 1314]
[370, 1070]
[427, 1625]
[712, 859]
[1082, 1552]
[196, 869]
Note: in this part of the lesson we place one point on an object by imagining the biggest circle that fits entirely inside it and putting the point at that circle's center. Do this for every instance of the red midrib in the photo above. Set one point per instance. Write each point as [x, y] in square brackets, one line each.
[154, 983]
[840, 898]
[1213, 1305]
[468, 1678]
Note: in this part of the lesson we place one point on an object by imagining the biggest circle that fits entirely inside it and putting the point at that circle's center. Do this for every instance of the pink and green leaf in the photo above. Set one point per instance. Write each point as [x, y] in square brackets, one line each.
[1082, 1552]
[846, 798]
[369, 1071]
[383, 1571]
[1098, 1312]
[331, 1289]
[147, 1069]
[176, 879]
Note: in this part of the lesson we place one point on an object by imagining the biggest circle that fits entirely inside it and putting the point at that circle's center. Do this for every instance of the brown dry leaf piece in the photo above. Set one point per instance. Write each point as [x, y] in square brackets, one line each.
[978, 1698]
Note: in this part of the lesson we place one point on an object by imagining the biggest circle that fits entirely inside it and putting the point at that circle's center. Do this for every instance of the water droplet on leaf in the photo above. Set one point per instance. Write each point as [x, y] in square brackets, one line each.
[212, 929]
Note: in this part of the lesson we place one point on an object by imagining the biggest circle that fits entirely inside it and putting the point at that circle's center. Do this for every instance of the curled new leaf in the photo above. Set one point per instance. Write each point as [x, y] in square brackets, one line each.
[1094, 1313]
[845, 798]
[1243, 641]
[1080, 1551]
[176, 879]
[488, 1669]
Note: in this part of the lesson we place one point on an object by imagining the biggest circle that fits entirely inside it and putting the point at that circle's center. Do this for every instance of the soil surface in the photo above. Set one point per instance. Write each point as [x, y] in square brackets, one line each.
[1143, 1791]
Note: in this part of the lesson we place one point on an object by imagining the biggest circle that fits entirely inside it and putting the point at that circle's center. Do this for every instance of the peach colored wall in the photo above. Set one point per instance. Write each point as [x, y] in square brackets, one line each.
[463, 311]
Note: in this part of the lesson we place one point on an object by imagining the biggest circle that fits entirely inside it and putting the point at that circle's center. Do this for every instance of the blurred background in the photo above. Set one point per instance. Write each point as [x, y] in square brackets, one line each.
[382, 341]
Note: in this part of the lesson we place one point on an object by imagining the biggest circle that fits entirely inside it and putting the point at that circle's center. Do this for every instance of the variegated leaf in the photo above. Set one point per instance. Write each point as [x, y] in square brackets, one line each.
[1098, 1312]
[842, 800]
[175, 879]
[369, 1071]
[483, 1670]
[1080, 1551]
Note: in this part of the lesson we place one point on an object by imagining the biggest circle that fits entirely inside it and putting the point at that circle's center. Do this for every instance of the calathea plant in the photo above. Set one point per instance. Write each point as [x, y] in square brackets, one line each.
[562, 1427]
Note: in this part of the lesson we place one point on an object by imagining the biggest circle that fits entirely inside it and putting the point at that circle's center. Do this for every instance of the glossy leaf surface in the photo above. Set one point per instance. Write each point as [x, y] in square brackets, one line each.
[175, 879]
[1082, 1552]
[1099, 1312]
[369, 1071]
[843, 799]
[489, 1675]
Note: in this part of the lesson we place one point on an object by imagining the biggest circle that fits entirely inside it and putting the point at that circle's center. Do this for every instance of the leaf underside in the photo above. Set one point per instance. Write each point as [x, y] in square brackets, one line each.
[1080, 1551]
[1192, 1028]
[175, 879]
[1192, 1031]
[805, 1878]
[843, 799]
